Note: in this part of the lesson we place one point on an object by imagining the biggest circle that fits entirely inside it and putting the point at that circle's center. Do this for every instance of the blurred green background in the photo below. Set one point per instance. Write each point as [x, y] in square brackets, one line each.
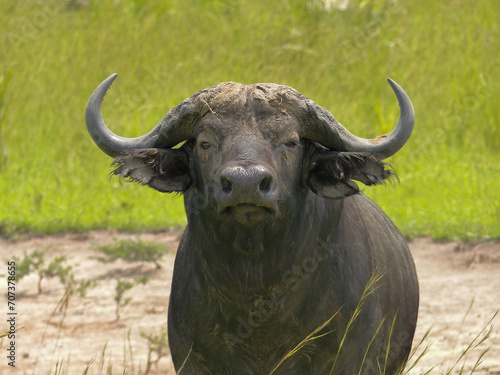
[445, 54]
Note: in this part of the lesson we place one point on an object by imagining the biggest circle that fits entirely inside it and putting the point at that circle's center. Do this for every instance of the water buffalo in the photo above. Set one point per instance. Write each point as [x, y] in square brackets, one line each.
[284, 265]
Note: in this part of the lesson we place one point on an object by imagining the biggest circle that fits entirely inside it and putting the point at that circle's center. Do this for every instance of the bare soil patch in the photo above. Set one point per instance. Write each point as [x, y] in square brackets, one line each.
[460, 292]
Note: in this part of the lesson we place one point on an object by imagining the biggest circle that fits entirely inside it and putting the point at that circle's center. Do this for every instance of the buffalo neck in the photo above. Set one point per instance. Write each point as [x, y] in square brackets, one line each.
[247, 260]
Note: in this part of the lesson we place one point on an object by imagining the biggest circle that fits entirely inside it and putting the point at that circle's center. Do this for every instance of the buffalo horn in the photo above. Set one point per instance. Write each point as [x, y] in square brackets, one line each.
[326, 130]
[173, 129]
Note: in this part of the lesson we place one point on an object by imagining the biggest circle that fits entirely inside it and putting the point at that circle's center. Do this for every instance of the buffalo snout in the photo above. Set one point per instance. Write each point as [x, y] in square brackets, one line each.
[247, 192]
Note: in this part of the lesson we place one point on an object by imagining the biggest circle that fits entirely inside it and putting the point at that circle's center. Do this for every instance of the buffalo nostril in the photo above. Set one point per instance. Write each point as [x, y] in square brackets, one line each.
[246, 183]
[265, 184]
[226, 185]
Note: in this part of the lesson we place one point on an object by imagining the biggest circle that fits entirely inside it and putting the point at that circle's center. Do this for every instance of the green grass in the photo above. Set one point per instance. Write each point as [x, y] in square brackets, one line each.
[132, 251]
[444, 54]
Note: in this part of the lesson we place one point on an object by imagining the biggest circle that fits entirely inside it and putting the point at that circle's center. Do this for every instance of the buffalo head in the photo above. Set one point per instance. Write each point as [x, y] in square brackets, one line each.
[249, 150]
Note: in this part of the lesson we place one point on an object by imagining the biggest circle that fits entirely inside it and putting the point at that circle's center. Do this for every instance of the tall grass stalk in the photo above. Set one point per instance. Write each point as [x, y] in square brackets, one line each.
[370, 344]
[382, 371]
[131, 352]
[185, 360]
[311, 337]
[413, 359]
[478, 340]
[422, 354]
[370, 287]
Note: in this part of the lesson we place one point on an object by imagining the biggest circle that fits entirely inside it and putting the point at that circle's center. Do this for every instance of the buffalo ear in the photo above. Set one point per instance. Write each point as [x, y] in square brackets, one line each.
[163, 169]
[332, 173]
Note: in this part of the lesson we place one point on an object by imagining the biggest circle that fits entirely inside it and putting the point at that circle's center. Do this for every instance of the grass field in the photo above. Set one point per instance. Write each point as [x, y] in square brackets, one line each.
[54, 53]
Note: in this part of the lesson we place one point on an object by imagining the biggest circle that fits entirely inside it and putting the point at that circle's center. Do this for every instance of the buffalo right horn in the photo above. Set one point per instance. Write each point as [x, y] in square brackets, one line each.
[320, 126]
[387, 145]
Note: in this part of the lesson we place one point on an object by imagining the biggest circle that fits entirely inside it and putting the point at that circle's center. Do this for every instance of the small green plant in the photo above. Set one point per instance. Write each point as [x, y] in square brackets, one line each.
[29, 263]
[133, 251]
[36, 262]
[158, 344]
[121, 287]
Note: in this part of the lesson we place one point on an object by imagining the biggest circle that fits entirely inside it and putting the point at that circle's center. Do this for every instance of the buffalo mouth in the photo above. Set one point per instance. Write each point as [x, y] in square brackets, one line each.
[247, 214]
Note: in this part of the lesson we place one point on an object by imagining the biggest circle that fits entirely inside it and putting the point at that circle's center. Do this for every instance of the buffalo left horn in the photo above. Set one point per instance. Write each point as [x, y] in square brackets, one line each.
[174, 128]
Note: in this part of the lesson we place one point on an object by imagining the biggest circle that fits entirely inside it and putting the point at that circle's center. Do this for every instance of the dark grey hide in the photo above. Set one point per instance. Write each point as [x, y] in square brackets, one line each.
[279, 239]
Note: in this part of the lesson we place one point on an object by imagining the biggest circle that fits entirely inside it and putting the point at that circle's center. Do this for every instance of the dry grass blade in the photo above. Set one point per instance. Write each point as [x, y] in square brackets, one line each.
[480, 360]
[185, 360]
[475, 344]
[90, 363]
[370, 344]
[388, 350]
[129, 341]
[59, 305]
[7, 333]
[421, 355]
[463, 321]
[369, 289]
[312, 336]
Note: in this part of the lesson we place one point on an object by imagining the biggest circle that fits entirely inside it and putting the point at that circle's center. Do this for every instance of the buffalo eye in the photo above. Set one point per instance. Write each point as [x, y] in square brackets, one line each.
[291, 144]
[205, 145]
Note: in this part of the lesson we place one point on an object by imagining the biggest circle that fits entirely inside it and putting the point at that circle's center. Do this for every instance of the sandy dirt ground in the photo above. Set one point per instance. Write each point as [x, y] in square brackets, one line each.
[460, 293]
